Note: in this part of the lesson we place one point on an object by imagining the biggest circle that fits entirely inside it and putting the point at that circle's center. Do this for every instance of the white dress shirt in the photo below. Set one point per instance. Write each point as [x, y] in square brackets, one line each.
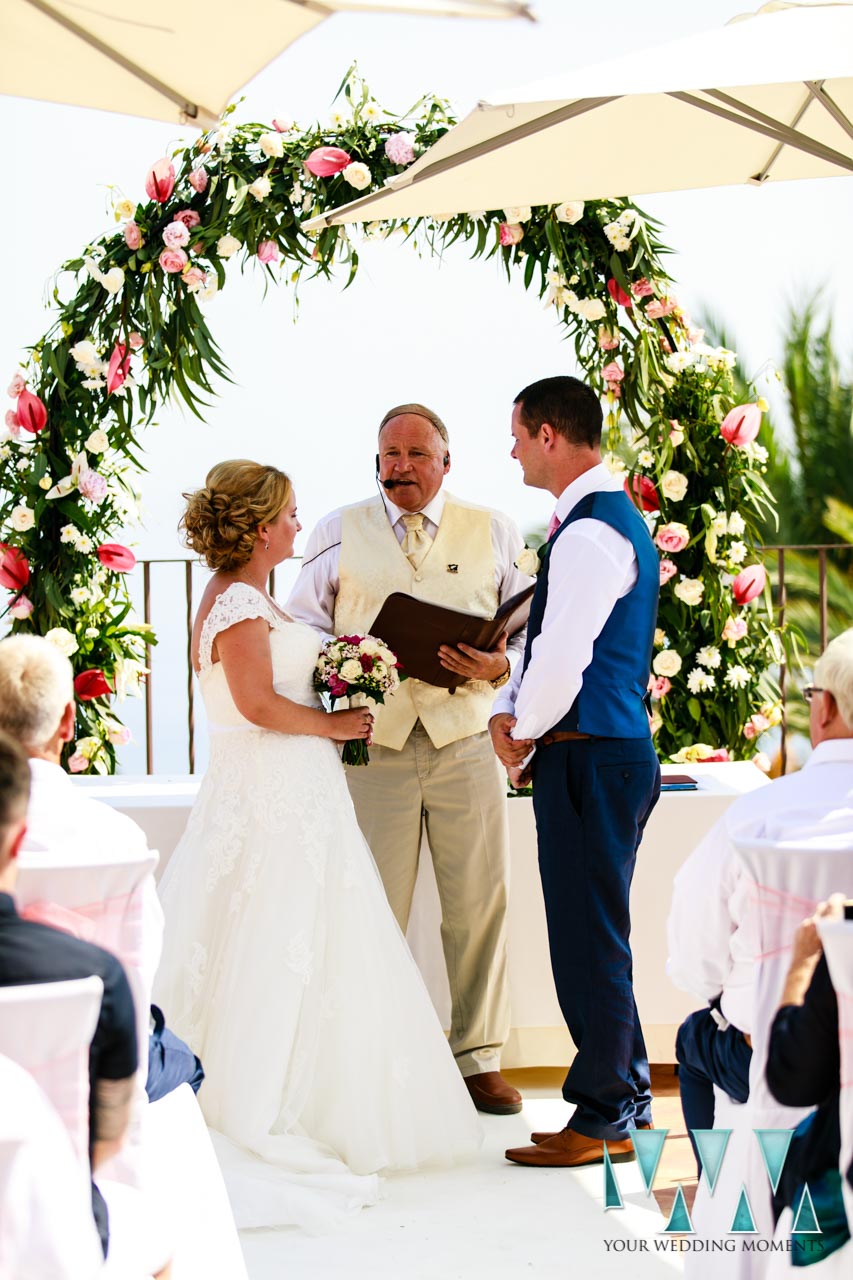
[62, 819]
[711, 929]
[591, 566]
[312, 599]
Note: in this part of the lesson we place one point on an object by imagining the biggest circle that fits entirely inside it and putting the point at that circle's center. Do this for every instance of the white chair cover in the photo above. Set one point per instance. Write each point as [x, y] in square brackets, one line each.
[837, 938]
[46, 1224]
[47, 1029]
[102, 902]
[787, 882]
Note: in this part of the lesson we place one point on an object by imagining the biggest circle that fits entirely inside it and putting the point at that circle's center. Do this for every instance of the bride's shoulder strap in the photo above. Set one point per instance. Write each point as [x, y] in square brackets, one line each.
[236, 603]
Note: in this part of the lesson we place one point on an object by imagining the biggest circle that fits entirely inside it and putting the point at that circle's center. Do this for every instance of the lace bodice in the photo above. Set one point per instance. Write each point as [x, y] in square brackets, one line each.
[294, 647]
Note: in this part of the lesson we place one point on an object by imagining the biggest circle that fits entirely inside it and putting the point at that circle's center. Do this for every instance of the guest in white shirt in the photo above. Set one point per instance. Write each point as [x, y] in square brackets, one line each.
[711, 928]
[431, 763]
[37, 709]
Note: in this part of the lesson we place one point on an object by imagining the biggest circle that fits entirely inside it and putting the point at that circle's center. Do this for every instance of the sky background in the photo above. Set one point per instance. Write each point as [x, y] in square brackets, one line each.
[453, 334]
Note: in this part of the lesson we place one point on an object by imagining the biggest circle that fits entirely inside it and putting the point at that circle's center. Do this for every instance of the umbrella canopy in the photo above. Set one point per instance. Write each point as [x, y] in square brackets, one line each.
[766, 98]
[171, 61]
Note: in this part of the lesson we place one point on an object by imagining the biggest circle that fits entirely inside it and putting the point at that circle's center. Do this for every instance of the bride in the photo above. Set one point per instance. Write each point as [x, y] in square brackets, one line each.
[283, 965]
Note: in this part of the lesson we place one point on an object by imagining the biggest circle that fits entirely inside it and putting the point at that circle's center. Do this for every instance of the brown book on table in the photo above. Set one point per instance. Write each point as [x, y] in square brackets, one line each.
[414, 629]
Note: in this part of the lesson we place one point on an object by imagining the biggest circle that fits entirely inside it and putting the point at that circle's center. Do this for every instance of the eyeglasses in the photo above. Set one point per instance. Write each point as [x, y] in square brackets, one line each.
[810, 690]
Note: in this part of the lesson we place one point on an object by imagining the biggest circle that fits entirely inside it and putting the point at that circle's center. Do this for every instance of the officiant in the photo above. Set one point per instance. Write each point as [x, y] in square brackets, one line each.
[431, 763]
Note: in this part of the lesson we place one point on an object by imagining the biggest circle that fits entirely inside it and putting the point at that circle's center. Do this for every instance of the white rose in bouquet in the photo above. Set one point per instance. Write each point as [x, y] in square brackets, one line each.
[667, 663]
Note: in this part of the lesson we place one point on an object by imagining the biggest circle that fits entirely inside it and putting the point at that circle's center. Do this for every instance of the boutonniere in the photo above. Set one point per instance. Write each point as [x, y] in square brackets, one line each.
[529, 559]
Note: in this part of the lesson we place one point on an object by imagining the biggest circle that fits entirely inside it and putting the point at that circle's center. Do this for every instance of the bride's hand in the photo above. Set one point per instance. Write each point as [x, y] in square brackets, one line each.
[357, 722]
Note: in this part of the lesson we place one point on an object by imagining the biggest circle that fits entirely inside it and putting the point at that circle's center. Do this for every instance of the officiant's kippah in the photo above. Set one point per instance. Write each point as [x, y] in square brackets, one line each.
[422, 412]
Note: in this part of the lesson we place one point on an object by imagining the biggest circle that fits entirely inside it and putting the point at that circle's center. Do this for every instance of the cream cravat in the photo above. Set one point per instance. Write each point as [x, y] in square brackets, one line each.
[416, 541]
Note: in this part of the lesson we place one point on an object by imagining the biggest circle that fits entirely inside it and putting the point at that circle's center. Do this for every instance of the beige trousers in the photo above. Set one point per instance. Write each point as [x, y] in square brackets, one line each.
[459, 793]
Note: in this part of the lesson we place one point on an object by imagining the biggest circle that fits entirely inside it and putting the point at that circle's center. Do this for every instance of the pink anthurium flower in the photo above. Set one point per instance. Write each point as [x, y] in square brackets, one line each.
[113, 555]
[618, 294]
[749, 583]
[160, 180]
[31, 412]
[91, 684]
[14, 568]
[325, 162]
[741, 425]
[119, 367]
[644, 492]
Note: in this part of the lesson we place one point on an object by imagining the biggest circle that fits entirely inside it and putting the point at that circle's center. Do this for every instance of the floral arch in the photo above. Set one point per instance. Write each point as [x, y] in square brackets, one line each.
[130, 330]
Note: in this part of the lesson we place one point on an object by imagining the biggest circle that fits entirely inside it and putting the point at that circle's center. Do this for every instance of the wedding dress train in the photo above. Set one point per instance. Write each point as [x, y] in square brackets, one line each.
[285, 970]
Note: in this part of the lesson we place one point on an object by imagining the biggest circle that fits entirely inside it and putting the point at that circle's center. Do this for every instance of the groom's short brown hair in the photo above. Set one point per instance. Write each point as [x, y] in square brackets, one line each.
[566, 404]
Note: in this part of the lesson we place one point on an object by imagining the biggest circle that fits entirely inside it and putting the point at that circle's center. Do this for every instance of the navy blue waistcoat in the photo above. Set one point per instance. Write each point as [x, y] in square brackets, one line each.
[611, 702]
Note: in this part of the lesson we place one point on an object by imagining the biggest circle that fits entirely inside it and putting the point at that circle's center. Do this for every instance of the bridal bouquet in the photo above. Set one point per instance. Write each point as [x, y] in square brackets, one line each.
[357, 664]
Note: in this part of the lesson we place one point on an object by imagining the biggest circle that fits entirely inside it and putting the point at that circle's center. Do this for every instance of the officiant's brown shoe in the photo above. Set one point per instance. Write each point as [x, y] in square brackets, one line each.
[542, 1135]
[491, 1093]
[570, 1150]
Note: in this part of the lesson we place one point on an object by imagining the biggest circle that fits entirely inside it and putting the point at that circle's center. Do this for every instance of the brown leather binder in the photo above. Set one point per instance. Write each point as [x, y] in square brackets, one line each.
[414, 629]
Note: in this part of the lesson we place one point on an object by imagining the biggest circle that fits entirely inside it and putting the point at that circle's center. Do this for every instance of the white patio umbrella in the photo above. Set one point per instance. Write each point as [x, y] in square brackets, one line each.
[176, 60]
[766, 98]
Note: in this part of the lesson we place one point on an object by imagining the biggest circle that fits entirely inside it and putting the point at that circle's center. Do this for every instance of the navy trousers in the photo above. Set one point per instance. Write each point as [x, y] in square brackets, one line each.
[592, 799]
[706, 1057]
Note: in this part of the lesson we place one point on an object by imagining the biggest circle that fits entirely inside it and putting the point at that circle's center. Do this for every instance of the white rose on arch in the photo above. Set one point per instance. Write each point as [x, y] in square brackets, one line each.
[271, 145]
[674, 485]
[667, 663]
[690, 590]
[357, 175]
[571, 211]
[518, 213]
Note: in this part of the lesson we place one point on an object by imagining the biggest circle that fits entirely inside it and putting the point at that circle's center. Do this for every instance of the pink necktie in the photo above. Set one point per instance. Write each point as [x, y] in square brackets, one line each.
[554, 525]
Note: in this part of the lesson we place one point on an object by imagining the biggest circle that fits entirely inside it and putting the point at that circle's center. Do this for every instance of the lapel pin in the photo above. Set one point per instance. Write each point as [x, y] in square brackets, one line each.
[453, 568]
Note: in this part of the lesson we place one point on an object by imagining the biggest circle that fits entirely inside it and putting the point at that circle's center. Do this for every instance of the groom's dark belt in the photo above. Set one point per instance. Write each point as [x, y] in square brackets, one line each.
[564, 735]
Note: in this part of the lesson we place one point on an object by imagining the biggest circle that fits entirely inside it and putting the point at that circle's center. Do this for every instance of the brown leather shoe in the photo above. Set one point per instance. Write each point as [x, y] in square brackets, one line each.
[541, 1136]
[491, 1093]
[569, 1150]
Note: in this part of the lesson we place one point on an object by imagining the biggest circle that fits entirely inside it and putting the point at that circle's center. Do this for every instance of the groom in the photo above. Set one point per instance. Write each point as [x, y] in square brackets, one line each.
[577, 703]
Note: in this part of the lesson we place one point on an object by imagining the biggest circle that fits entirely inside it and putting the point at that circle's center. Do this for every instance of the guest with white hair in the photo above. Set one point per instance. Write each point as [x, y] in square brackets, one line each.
[711, 927]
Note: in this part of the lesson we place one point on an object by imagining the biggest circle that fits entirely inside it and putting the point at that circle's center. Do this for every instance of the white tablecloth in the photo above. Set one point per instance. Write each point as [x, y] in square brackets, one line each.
[539, 1038]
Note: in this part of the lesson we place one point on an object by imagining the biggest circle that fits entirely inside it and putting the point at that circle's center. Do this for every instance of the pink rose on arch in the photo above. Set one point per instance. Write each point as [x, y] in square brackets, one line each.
[92, 485]
[325, 162]
[672, 537]
[660, 307]
[741, 425]
[749, 583]
[400, 149]
[194, 278]
[22, 608]
[133, 237]
[136, 340]
[176, 235]
[268, 251]
[160, 180]
[173, 261]
[612, 372]
[642, 288]
[734, 630]
[749, 731]
[188, 217]
[668, 569]
[13, 426]
[198, 180]
[78, 763]
[607, 341]
[661, 687]
[16, 386]
[511, 233]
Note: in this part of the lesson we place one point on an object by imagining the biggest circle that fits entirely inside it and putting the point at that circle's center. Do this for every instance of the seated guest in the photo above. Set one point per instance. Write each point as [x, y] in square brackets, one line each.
[31, 953]
[710, 928]
[804, 1070]
[37, 710]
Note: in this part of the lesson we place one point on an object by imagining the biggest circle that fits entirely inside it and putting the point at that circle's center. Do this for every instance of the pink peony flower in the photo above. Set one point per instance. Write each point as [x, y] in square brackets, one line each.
[661, 687]
[734, 630]
[198, 180]
[136, 340]
[644, 492]
[741, 425]
[642, 288]
[78, 763]
[668, 569]
[672, 538]
[325, 162]
[175, 235]
[511, 233]
[116, 557]
[31, 412]
[337, 686]
[22, 607]
[618, 294]
[612, 372]
[16, 386]
[268, 251]
[118, 369]
[659, 307]
[400, 149]
[173, 261]
[133, 235]
[749, 583]
[189, 218]
[92, 485]
[194, 278]
[607, 341]
[91, 684]
[160, 180]
[14, 568]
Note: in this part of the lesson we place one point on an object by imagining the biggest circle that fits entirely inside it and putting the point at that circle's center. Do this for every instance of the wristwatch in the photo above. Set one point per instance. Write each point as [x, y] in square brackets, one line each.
[501, 680]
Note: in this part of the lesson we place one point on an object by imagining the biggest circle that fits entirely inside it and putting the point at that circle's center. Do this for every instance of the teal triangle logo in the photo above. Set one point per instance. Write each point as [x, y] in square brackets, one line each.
[679, 1219]
[805, 1219]
[648, 1144]
[711, 1145]
[774, 1144]
[743, 1223]
[612, 1195]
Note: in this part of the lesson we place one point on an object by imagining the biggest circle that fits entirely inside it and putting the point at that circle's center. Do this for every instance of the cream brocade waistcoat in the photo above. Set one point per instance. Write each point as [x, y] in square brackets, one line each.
[373, 565]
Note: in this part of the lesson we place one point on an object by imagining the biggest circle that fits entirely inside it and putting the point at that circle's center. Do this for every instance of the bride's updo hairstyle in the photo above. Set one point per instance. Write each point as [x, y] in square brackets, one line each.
[221, 520]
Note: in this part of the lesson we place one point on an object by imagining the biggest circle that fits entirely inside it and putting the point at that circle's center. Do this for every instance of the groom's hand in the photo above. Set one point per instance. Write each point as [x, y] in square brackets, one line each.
[475, 664]
[508, 750]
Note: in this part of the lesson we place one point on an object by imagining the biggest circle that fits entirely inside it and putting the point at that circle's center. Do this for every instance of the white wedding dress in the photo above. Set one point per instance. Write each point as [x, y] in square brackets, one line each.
[286, 972]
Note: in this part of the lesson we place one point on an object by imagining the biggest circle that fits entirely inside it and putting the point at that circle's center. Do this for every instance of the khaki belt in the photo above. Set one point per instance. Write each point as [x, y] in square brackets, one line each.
[560, 735]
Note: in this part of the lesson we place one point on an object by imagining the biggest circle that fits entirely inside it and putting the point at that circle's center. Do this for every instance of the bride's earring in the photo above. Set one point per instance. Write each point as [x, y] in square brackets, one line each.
[266, 546]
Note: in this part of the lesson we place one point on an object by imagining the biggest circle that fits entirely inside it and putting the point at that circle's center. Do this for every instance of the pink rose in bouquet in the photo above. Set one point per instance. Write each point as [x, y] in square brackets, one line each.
[176, 235]
[198, 180]
[672, 537]
[668, 569]
[188, 217]
[661, 687]
[511, 233]
[642, 288]
[357, 664]
[173, 261]
[133, 235]
[659, 307]
[734, 630]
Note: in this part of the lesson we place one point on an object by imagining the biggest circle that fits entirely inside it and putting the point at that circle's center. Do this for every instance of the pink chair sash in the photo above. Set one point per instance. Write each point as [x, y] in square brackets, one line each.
[779, 913]
[115, 924]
